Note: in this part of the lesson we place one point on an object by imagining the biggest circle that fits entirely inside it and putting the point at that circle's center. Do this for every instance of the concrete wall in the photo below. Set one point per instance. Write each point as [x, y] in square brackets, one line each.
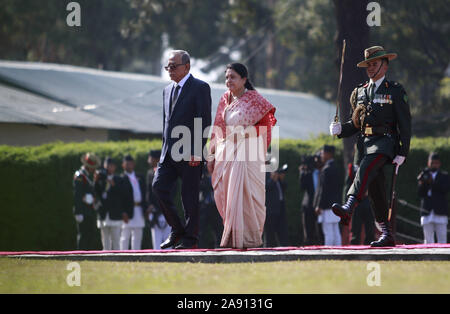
[18, 134]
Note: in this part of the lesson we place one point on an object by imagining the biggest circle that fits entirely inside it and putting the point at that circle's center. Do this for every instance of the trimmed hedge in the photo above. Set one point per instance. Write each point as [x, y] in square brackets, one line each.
[36, 187]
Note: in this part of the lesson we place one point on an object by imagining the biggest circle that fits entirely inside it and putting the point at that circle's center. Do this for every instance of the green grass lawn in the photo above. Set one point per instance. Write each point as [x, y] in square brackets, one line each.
[47, 276]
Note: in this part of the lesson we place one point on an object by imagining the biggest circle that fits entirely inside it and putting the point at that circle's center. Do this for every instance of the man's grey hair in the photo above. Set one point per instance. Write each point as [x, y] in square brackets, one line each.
[185, 57]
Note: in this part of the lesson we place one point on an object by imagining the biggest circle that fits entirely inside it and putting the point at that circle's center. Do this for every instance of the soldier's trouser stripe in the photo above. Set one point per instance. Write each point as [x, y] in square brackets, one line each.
[366, 176]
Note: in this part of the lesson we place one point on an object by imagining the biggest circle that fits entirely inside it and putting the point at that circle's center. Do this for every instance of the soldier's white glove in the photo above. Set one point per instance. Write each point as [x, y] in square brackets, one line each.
[79, 218]
[335, 128]
[399, 160]
[88, 199]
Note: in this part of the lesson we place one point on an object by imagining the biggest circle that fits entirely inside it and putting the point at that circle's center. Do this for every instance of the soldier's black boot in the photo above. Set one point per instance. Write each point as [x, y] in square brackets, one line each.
[345, 211]
[386, 238]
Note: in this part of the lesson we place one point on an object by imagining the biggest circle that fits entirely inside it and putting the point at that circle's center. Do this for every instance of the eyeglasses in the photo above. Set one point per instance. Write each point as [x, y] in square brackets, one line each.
[173, 66]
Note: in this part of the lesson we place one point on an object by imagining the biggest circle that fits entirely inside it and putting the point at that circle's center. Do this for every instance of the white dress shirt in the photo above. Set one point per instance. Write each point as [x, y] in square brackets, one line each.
[181, 84]
[377, 83]
[138, 217]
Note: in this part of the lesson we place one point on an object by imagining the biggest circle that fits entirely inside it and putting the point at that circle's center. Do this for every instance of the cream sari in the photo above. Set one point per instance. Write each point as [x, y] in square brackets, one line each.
[238, 178]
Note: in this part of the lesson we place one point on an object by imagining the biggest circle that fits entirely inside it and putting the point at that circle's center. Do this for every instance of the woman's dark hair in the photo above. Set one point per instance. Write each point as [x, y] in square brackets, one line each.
[241, 69]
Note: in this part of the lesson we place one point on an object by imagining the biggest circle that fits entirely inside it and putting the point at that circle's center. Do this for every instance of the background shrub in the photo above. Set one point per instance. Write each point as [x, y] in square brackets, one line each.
[36, 186]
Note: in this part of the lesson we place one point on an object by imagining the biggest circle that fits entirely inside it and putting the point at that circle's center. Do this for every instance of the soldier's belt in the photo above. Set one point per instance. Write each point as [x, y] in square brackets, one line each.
[377, 130]
[137, 204]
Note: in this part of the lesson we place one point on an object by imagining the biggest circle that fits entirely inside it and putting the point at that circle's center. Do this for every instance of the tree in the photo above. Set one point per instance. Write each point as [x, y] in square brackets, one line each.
[419, 31]
[351, 26]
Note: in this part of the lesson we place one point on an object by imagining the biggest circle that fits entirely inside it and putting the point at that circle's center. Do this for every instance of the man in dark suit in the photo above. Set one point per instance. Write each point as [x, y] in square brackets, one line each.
[382, 116]
[433, 186]
[276, 224]
[134, 203]
[309, 180]
[210, 219]
[327, 193]
[159, 227]
[108, 194]
[186, 106]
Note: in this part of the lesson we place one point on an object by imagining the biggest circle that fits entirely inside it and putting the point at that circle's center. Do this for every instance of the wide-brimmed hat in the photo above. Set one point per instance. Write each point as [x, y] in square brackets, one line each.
[374, 53]
[90, 160]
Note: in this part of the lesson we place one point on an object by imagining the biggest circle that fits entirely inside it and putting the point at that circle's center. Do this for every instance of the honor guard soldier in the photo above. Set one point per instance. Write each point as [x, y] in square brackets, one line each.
[84, 203]
[380, 112]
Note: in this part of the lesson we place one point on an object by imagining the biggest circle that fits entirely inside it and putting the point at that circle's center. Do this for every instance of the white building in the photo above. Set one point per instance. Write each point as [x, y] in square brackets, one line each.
[41, 103]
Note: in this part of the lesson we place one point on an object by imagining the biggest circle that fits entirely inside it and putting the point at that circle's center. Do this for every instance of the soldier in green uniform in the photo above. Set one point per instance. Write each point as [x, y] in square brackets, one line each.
[380, 112]
[84, 203]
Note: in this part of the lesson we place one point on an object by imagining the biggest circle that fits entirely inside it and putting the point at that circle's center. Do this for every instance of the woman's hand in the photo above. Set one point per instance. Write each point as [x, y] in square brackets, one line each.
[318, 211]
[210, 166]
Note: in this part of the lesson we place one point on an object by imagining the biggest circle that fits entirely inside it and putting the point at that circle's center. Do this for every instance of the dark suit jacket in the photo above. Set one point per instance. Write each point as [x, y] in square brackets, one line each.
[274, 205]
[329, 188]
[112, 203]
[307, 184]
[127, 194]
[438, 200]
[194, 101]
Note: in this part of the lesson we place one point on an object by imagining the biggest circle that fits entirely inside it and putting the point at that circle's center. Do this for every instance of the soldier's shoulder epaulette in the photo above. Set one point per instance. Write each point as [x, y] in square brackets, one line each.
[394, 84]
[365, 84]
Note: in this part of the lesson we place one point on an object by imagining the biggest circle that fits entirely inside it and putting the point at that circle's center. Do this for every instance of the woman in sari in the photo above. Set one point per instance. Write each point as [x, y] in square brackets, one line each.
[239, 141]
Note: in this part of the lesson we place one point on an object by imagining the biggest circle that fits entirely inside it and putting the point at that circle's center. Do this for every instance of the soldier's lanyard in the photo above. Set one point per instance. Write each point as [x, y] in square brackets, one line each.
[86, 176]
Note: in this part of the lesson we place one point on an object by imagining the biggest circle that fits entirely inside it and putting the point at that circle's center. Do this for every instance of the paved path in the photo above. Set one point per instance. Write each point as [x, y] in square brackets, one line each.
[403, 252]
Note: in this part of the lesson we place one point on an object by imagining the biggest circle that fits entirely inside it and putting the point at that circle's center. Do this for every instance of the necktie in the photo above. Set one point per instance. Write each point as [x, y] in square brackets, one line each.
[371, 91]
[174, 98]
[280, 191]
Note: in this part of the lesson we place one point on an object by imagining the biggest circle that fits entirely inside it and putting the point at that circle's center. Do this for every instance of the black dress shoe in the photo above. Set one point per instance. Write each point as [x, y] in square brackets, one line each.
[384, 241]
[171, 241]
[187, 244]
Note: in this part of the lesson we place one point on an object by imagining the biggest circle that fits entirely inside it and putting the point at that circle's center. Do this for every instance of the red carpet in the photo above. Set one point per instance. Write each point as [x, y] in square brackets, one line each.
[348, 247]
